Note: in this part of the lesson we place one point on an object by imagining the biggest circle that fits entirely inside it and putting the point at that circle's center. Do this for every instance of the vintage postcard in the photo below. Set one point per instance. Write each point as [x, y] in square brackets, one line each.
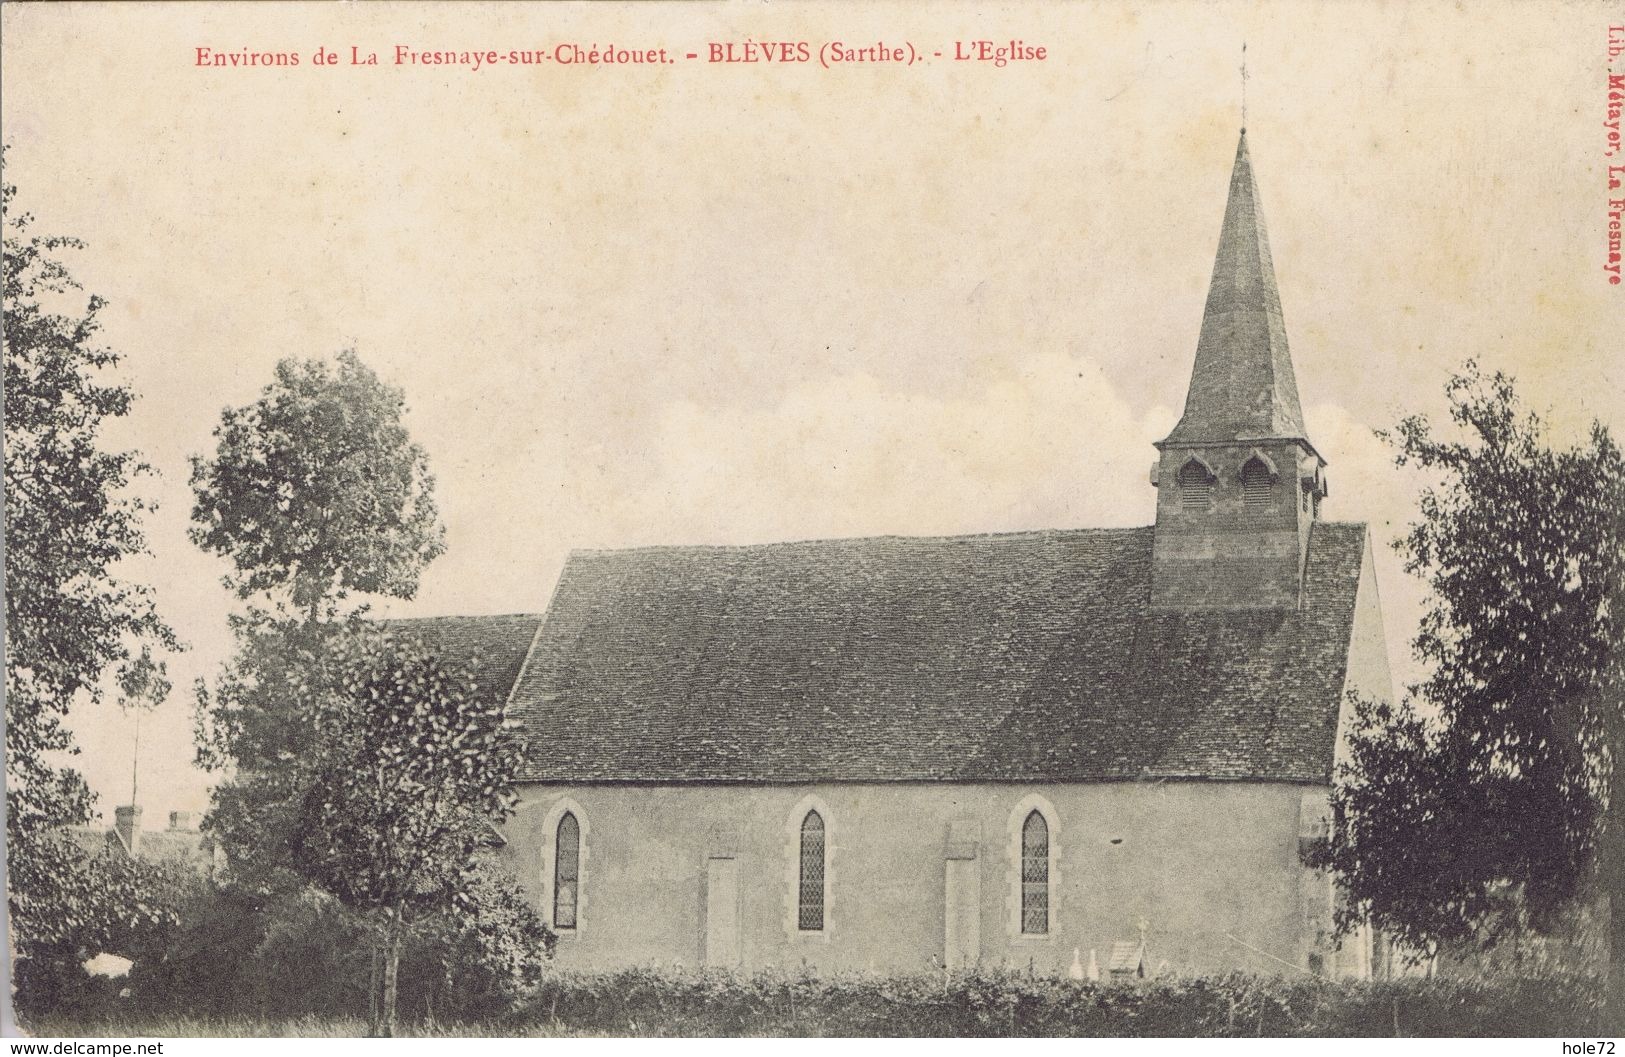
[786, 519]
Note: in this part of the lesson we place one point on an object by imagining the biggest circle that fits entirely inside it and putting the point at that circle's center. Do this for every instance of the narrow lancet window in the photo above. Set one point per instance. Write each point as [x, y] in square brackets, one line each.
[1035, 874]
[811, 889]
[566, 872]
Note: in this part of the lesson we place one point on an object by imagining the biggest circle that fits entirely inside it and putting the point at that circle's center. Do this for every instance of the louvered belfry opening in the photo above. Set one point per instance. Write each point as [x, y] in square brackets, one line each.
[1195, 486]
[566, 872]
[811, 896]
[1035, 874]
[1257, 485]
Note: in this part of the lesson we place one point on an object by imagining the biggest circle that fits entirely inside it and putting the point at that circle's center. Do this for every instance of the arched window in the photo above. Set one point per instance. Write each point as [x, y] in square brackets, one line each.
[1195, 486]
[566, 871]
[1257, 485]
[1035, 874]
[810, 916]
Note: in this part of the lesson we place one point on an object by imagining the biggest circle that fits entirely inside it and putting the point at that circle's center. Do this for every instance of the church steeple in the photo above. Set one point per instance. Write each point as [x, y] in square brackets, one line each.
[1242, 387]
[1239, 484]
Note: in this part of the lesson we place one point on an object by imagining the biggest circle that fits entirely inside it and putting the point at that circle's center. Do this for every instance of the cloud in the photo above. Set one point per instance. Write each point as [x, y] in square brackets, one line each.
[1049, 444]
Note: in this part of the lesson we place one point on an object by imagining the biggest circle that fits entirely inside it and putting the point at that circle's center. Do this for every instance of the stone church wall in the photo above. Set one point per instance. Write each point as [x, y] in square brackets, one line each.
[691, 873]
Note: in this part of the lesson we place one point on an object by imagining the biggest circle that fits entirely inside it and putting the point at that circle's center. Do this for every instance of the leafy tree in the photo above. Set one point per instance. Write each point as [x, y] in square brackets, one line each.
[316, 491]
[1491, 799]
[70, 518]
[409, 767]
[249, 726]
[316, 495]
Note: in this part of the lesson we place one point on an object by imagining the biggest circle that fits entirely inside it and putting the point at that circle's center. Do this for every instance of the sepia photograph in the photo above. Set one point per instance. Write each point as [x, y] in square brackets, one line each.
[808, 520]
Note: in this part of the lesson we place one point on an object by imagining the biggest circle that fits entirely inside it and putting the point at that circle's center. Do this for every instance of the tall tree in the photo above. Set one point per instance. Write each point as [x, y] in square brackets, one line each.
[70, 518]
[1491, 799]
[316, 492]
[409, 767]
[143, 685]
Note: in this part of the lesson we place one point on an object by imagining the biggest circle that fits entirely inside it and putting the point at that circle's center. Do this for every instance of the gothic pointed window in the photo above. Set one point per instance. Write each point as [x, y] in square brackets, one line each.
[566, 871]
[1035, 874]
[1257, 485]
[1195, 486]
[810, 891]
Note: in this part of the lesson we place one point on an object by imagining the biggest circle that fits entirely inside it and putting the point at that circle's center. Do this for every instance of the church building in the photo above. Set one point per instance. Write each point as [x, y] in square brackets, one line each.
[1032, 749]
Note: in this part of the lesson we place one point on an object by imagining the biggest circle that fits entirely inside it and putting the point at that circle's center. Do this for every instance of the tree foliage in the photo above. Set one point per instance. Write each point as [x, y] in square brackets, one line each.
[124, 906]
[237, 953]
[70, 518]
[1482, 803]
[364, 766]
[248, 724]
[408, 769]
[316, 491]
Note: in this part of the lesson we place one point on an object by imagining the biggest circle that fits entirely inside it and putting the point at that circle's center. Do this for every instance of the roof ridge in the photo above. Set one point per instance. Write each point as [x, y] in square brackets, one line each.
[888, 537]
[464, 616]
[519, 673]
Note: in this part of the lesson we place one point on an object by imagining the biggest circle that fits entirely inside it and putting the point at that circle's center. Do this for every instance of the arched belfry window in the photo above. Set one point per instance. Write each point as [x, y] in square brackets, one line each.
[1035, 874]
[810, 890]
[1195, 485]
[566, 871]
[1257, 484]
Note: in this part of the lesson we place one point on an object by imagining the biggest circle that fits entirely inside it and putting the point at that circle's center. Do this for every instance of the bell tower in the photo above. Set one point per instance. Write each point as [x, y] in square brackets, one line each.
[1238, 483]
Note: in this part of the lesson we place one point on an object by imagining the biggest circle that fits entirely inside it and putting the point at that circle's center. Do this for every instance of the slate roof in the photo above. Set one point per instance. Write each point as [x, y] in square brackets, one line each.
[1023, 657]
[1242, 386]
[499, 642]
[186, 846]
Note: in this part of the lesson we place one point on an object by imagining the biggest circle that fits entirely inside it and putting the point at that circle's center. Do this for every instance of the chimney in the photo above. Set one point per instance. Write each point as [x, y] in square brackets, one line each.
[180, 820]
[127, 824]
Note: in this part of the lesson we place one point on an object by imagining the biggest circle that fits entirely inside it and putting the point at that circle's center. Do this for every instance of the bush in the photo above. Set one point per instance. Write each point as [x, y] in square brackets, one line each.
[678, 1002]
[239, 953]
[108, 903]
[483, 960]
[697, 1003]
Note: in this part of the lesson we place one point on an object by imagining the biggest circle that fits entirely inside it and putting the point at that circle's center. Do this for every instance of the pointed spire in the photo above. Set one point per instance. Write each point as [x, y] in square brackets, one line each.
[1242, 387]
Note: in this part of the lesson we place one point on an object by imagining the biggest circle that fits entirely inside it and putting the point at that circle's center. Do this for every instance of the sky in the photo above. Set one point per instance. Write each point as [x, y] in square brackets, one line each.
[741, 302]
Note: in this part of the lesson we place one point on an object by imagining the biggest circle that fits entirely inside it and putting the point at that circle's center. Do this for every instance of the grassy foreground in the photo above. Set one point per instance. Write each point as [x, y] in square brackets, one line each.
[707, 1003]
[309, 1027]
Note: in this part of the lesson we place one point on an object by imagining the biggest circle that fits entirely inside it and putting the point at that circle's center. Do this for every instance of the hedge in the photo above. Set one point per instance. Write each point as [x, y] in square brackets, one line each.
[679, 1002]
